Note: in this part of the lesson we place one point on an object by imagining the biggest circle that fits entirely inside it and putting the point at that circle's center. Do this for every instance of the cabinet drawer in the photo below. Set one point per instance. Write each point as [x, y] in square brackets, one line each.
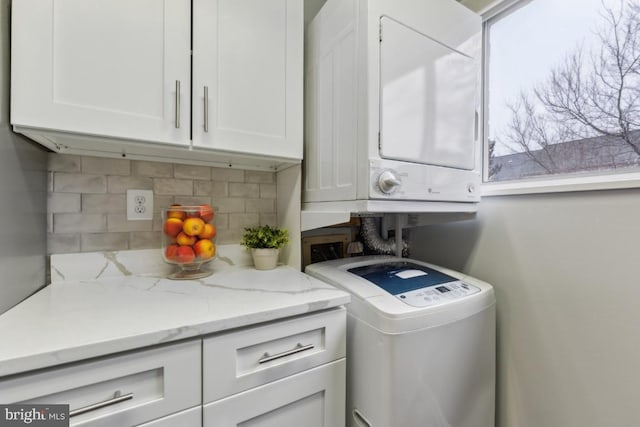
[314, 398]
[189, 418]
[122, 390]
[237, 361]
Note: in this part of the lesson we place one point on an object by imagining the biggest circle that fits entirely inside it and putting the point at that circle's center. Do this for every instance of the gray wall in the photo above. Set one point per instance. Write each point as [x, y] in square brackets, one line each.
[23, 182]
[566, 272]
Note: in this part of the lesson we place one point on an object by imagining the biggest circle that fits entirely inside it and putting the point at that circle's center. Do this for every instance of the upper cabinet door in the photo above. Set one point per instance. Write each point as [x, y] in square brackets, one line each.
[116, 68]
[247, 76]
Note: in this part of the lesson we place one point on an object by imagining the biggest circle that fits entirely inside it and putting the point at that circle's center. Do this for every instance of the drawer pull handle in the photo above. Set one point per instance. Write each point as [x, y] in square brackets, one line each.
[117, 398]
[297, 349]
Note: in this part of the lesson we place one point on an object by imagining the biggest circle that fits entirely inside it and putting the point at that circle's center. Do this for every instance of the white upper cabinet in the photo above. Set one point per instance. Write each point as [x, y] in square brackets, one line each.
[113, 78]
[247, 76]
[108, 68]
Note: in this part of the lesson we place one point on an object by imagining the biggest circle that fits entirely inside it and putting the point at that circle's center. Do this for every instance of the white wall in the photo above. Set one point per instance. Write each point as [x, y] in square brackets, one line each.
[566, 272]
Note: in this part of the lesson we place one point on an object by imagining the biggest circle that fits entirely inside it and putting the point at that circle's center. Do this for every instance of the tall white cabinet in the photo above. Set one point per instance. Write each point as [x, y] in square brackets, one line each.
[113, 78]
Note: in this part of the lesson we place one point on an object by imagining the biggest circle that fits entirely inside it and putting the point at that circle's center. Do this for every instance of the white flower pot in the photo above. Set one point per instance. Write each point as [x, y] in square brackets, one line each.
[265, 259]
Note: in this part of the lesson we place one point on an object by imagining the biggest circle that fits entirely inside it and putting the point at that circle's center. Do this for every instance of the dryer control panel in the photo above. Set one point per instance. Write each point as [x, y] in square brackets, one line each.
[414, 284]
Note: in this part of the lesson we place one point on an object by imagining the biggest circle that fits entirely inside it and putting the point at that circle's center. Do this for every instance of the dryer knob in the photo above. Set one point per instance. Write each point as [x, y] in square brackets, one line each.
[388, 182]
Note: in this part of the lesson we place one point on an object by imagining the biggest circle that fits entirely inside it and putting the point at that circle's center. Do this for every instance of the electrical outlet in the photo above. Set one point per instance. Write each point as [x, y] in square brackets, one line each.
[139, 205]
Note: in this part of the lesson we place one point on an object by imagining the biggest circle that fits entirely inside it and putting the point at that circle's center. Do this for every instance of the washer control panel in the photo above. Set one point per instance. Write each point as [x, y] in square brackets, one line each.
[415, 284]
[434, 295]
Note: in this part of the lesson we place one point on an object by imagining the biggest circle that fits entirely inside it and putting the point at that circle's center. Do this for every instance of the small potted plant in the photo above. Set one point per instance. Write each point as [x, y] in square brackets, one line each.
[265, 243]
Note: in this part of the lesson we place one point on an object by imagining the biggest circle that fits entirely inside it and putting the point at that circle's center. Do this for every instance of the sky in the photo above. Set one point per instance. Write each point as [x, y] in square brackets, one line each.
[527, 43]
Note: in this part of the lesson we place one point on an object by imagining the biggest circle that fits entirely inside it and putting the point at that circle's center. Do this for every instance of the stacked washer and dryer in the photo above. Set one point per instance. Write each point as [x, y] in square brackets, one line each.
[420, 343]
[393, 126]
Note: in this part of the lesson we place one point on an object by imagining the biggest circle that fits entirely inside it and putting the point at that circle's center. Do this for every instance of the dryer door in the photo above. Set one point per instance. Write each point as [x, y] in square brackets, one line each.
[428, 98]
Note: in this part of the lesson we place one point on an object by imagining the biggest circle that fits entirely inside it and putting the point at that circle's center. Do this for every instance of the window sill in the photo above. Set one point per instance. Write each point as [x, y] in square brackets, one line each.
[564, 184]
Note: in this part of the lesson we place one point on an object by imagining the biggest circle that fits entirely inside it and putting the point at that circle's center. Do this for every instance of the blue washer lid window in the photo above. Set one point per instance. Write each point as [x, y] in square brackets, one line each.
[397, 277]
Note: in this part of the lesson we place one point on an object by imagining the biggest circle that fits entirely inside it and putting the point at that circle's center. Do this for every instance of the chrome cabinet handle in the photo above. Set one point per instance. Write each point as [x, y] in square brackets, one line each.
[177, 104]
[206, 108]
[476, 125]
[117, 398]
[297, 349]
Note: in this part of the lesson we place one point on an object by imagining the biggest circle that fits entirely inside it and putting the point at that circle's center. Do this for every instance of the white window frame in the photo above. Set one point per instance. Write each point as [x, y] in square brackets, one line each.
[607, 180]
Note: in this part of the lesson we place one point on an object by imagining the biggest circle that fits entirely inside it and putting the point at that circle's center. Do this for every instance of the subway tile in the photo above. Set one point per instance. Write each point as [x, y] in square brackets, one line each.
[79, 183]
[242, 220]
[156, 223]
[106, 166]
[260, 177]
[104, 241]
[177, 187]
[192, 200]
[63, 203]
[229, 236]
[151, 169]
[145, 240]
[227, 205]
[79, 223]
[63, 243]
[260, 205]
[104, 203]
[222, 221]
[87, 202]
[120, 184]
[119, 222]
[268, 191]
[244, 190]
[230, 175]
[63, 163]
[269, 219]
[211, 188]
[161, 202]
[192, 172]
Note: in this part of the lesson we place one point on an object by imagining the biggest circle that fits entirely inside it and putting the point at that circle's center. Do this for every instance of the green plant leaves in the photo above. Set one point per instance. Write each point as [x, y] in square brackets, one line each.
[265, 236]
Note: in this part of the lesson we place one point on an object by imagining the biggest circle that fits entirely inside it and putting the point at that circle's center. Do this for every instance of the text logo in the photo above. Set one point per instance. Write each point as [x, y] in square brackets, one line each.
[34, 415]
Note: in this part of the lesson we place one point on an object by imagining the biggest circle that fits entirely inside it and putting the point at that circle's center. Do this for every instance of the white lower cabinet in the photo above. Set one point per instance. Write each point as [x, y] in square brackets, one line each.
[285, 373]
[189, 418]
[314, 398]
[121, 390]
[288, 373]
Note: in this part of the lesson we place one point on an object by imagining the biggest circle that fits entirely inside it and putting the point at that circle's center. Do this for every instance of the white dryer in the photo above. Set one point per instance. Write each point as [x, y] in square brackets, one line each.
[420, 343]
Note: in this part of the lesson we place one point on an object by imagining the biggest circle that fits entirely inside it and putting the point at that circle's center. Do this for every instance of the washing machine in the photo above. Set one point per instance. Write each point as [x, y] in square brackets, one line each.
[420, 343]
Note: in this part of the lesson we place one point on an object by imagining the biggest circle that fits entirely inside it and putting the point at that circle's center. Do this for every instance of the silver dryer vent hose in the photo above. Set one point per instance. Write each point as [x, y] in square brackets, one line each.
[374, 242]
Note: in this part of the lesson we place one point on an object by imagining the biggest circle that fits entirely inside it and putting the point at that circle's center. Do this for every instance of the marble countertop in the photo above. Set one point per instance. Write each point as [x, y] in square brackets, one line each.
[103, 303]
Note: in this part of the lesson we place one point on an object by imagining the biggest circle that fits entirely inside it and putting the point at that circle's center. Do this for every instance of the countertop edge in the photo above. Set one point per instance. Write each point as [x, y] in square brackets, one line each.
[53, 359]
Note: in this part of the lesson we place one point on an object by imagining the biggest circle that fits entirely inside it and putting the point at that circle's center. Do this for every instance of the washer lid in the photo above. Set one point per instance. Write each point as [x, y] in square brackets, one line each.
[400, 276]
[414, 284]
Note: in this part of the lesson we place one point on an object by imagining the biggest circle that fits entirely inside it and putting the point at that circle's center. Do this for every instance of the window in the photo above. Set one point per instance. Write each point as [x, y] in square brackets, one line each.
[562, 89]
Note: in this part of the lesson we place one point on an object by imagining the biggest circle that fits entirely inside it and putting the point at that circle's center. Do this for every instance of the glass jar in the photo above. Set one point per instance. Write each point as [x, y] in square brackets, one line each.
[189, 239]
